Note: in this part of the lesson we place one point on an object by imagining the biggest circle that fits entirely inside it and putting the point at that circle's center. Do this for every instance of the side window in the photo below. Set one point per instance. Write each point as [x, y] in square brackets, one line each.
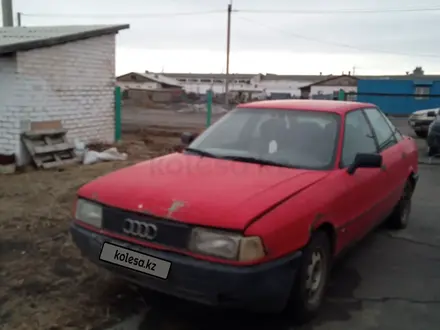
[397, 134]
[358, 137]
[384, 133]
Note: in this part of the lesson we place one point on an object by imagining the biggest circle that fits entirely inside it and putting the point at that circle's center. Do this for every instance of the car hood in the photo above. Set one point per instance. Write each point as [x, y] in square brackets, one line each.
[199, 190]
[424, 111]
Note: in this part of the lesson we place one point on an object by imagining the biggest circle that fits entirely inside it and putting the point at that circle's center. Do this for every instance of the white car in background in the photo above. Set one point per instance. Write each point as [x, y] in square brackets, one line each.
[421, 119]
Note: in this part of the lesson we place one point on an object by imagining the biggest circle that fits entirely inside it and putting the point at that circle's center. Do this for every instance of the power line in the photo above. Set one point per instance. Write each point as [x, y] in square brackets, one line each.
[339, 11]
[249, 11]
[337, 44]
[138, 15]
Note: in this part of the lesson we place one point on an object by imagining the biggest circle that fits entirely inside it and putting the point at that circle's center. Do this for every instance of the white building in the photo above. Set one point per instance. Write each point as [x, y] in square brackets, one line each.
[200, 83]
[287, 85]
[64, 73]
[274, 84]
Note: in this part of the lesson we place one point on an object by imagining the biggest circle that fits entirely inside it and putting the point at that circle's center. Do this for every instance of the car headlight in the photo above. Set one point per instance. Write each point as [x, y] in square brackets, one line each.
[226, 245]
[89, 213]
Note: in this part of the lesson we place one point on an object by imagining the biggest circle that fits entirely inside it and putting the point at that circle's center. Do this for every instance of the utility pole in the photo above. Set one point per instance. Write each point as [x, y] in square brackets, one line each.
[18, 19]
[228, 48]
[8, 16]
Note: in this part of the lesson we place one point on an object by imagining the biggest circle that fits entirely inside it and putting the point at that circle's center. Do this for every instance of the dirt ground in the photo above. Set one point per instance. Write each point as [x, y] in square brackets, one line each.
[135, 117]
[45, 283]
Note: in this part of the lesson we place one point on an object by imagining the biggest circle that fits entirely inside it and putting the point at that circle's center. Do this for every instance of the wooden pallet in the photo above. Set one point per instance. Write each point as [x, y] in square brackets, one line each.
[49, 148]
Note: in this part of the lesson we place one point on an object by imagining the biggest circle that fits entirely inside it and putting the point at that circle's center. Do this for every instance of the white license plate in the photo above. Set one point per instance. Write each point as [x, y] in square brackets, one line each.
[134, 260]
[412, 123]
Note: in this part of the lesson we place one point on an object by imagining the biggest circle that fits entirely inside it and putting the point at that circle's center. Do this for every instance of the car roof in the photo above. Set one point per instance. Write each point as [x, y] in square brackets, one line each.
[339, 107]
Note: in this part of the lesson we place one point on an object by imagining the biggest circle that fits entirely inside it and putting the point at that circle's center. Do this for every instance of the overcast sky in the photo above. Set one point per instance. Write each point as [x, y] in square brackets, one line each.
[373, 43]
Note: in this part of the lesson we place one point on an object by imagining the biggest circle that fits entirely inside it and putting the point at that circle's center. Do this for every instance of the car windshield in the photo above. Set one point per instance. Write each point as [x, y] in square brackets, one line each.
[290, 138]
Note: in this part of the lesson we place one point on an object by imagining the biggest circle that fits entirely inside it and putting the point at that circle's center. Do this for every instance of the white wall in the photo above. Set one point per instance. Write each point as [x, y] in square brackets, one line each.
[138, 85]
[283, 86]
[314, 90]
[217, 88]
[270, 86]
[72, 82]
[199, 86]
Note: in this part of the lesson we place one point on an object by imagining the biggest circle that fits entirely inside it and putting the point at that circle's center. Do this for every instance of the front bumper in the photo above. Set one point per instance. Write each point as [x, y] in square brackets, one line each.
[419, 125]
[261, 288]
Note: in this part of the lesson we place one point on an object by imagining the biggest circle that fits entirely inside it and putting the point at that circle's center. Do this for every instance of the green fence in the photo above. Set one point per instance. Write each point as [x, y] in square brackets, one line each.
[118, 109]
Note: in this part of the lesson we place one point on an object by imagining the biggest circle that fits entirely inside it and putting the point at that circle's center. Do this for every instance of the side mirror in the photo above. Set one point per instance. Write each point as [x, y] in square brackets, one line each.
[187, 137]
[431, 114]
[365, 161]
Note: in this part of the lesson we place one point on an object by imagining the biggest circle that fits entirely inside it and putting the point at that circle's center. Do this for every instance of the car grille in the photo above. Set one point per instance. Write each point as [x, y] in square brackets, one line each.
[169, 233]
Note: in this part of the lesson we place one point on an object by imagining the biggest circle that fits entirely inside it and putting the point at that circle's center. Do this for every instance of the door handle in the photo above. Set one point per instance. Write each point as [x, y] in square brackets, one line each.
[383, 168]
[404, 154]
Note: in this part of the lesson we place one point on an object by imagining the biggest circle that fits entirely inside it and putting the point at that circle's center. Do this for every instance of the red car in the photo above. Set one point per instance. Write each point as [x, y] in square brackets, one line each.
[253, 212]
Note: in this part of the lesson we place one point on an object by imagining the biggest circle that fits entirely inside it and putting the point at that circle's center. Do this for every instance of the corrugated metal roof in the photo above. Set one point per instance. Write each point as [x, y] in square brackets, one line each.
[13, 39]
[308, 78]
[161, 79]
[305, 78]
[210, 75]
[403, 77]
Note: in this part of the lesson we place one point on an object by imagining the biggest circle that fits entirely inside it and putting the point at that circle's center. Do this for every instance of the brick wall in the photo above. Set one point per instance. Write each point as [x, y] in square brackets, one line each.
[72, 82]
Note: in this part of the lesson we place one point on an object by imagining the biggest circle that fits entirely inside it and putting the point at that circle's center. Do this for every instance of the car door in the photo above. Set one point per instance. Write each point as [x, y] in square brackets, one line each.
[394, 165]
[354, 207]
[406, 145]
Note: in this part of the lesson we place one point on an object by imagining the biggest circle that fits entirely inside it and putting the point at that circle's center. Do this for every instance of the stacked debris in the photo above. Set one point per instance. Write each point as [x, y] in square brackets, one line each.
[49, 148]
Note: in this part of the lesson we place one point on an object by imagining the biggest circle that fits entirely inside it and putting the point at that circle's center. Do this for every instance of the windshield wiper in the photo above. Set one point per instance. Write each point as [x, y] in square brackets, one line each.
[200, 152]
[254, 160]
[390, 140]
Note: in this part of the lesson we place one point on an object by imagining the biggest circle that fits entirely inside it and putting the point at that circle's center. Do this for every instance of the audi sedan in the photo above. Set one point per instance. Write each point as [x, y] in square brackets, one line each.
[254, 210]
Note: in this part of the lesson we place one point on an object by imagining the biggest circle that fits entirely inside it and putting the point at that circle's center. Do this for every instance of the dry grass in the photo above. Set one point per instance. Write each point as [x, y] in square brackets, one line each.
[45, 283]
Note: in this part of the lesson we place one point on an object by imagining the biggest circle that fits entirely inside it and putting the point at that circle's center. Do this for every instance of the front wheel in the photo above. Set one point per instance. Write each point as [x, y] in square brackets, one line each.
[399, 219]
[312, 278]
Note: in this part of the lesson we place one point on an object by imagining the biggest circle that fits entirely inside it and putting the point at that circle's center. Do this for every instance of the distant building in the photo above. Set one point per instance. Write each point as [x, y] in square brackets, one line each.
[146, 88]
[146, 80]
[276, 86]
[199, 83]
[284, 86]
[327, 88]
[57, 74]
[401, 95]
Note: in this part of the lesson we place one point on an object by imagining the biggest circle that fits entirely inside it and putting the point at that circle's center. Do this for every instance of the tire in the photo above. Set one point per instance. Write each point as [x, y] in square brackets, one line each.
[302, 307]
[422, 134]
[399, 219]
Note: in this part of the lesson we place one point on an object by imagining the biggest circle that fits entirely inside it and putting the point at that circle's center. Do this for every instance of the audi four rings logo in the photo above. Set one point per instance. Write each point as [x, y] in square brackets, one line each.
[140, 229]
